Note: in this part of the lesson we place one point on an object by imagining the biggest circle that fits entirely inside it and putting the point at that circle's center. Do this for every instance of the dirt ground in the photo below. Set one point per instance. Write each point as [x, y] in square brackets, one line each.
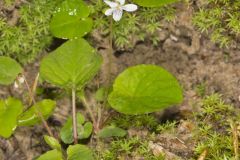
[191, 57]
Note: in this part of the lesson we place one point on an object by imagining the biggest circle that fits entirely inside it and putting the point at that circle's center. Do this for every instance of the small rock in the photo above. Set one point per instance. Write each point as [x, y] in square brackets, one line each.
[158, 150]
[174, 38]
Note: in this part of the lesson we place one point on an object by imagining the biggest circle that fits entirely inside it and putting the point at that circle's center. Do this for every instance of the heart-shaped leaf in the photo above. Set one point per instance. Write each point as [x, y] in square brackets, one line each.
[51, 155]
[52, 142]
[144, 89]
[72, 65]
[71, 20]
[84, 130]
[31, 117]
[79, 152]
[112, 131]
[9, 70]
[10, 109]
[153, 3]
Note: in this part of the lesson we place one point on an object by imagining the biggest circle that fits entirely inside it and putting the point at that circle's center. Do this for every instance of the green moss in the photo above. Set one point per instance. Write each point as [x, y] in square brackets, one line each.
[147, 121]
[128, 149]
[30, 35]
[213, 130]
[141, 25]
[221, 19]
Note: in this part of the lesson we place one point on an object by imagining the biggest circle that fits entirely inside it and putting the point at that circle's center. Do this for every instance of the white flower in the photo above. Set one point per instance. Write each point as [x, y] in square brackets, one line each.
[117, 8]
[16, 86]
[21, 79]
[18, 82]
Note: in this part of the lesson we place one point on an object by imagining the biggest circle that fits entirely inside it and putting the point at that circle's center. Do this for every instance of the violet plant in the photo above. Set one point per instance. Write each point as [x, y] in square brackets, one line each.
[137, 90]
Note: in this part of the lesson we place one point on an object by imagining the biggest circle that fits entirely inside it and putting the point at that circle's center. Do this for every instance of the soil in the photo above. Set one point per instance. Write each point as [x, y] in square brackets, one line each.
[183, 51]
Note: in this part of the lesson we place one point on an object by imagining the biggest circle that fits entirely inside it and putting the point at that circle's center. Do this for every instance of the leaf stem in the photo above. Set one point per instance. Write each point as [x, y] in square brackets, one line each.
[110, 52]
[75, 134]
[110, 59]
[91, 113]
[31, 94]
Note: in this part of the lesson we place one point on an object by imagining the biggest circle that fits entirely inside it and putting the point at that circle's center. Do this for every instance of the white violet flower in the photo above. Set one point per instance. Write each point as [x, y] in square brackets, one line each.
[21, 79]
[18, 82]
[117, 8]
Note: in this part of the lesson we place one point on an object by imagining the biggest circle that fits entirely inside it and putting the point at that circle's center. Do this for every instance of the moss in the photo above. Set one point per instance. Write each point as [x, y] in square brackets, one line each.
[138, 26]
[221, 19]
[130, 148]
[213, 132]
[146, 121]
[30, 36]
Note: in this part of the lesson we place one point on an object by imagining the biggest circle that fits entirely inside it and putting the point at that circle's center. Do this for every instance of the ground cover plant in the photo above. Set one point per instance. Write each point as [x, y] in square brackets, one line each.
[110, 115]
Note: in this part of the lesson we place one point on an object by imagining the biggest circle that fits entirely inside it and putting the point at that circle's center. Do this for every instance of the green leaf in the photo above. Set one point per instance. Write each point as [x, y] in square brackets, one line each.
[51, 155]
[79, 152]
[52, 142]
[71, 65]
[144, 89]
[101, 93]
[9, 70]
[30, 117]
[71, 20]
[10, 109]
[66, 132]
[84, 130]
[112, 131]
[153, 3]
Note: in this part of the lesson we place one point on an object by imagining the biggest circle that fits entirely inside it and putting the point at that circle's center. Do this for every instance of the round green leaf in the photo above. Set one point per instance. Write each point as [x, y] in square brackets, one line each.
[51, 155]
[70, 20]
[112, 131]
[74, 8]
[10, 109]
[52, 142]
[30, 117]
[153, 3]
[144, 89]
[66, 133]
[79, 152]
[70, 27]
[9, 70]
[71, 65]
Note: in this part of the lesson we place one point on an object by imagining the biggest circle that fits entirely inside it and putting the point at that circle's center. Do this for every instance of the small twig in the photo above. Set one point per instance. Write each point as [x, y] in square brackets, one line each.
[44, 122]
[99, 113]
[99, 107]
[235, 139]
[90, 111]
[33, 91]
[75, 134]
[203, 155]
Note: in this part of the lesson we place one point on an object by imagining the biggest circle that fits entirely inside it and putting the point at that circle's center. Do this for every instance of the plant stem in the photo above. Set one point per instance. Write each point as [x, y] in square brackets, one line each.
[44, 122]
[75, 134]
[110, 52]
[99, 113]
[90, 111]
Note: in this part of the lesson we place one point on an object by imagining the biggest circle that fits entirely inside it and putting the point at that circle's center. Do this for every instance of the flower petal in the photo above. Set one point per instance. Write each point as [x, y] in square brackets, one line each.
[111, 4]
[130, 7]
[122, 2]
[117, 14]
[109, 12]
